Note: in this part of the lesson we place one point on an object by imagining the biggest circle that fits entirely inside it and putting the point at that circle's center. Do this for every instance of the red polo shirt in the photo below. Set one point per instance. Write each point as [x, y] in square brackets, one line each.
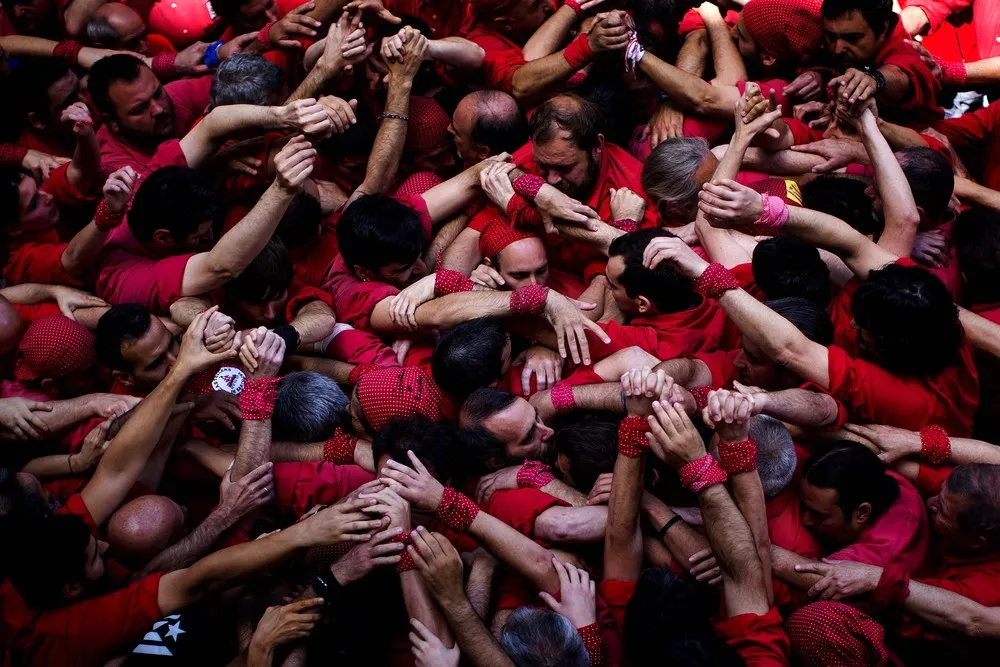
[919, 107]
[974, 136]
[443, 17]
[759, 639]
[503, 57]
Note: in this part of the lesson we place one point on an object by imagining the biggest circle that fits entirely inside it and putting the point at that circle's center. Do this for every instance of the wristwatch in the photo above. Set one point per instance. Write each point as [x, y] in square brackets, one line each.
[874, 73]
[326, 587]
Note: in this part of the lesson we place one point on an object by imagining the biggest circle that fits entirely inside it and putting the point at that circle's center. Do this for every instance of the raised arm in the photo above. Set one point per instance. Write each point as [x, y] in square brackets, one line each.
[729, 67]
[83, 249]
[84, 169]
[546, 40]
[343, 46]
[802, 407]
[256, 404]
[689, 93]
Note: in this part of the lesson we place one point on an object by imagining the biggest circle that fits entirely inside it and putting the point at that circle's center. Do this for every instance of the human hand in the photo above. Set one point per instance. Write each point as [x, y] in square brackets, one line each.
[118, 189]
[609, 32]
[854, 86]
[495, 181]
[394, 47]
[487, 276]
[282, 624]
[571, 326]
[344, 45]
[801, 111]
[283, 33]
[642, 386]
[577, 595]
[928, 59]
[41, 164]
[439, 565]
[219, 332]
[704, 568]
[841, 578]
[218, 406]
[414, 484]
[837, 152]
[112, 406]
[307, 116]
[357, 563]
[245, 165]
[252, 490]
[374, 6]
[600, 493]
[545, 364]
[342, 522]
[755, 114]
[94, 445]
[194, 357]
[553, 204]
[500, 480]
[428, 650]
[729, 205]
[729, 413]
[626, 205]
[69, 299]
[79, 115]
[403, 306]
[406, 68]
[18, 416]
[294, 163]
[677, 253]
[930, 248]
[807, 86]
[667, 122]
[236, 45]
[894, 444]
[672, 437]
[270, 355]
[189, 62]
[391, 505]
[341, 112]
[401, 346]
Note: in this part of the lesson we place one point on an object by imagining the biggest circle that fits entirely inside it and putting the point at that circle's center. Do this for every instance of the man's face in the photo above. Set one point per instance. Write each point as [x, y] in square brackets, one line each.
[745, 43]
[269, 313]
[823, 517]
[756, 369]
[93, 569]
[945, 508]
[151, 355]
[33, 17]
[129, 26]
[565, 166]
[201, 239]
[524, 263]
[399, 275]
[461, 131]
[521, 430]
[144, 113]
[614, 271]
[850, 39]
[526, 17]
[36, 208]
[61, 95]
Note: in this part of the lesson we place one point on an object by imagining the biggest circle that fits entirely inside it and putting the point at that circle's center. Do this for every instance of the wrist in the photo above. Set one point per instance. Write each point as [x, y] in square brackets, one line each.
[260, 652]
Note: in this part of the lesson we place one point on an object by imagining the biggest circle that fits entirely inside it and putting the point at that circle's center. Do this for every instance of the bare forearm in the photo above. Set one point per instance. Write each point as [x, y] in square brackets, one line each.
[550, 35]
[952, 611]
[193, 546]
[682, 541]
[476, 642]
[623, 539]
[185, 309]
[85, 167]
[68, 412]
[606, 397]
[83, 249]
[572, 525]
[538, 76]
[970, 192]
[388, 146]
[221, 122]
[898, 137]
[457, 52]
[749, 496]
[332, 368]
[985, 72]
[446, 199]
[254, 448]
[783, 564]
[420, 606]
[899, 209]
[729, 67]
[296, 452]
[801, 407]
[686, 372]
[781, 163]
[313, 322]
[693, 55]
[478, 589]
[515, 550]
[27, 294]
[983, 334]
[315, 81]
[463, 254]
[563, 491]
[690, 93]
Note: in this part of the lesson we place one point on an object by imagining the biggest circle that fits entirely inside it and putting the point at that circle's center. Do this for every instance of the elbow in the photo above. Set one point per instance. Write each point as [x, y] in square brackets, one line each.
[555, 529]
[520, 86]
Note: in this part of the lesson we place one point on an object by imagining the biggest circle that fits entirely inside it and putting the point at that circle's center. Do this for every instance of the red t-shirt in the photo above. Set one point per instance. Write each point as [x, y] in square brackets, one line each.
[190, 98]
[86, 633]
[444, 17]
[300, 486]
[974, 137]
[519, 508]
[503, 57]
[919, 106]
[38, 263]
[784, 524]
[760, 640]
[129, 273]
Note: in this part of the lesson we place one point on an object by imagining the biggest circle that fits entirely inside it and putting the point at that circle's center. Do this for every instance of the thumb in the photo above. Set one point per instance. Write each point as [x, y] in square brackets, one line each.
[549, 600]
[354, 104]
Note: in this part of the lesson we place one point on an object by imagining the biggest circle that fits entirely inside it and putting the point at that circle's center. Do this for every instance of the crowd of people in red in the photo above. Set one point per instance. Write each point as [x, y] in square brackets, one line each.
[499, 332]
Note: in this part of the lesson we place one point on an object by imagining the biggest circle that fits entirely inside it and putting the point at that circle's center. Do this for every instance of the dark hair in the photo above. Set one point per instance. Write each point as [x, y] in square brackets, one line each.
[470, 356]
[121, 67]
[931, 178]
[10, 198]
[808, 317]
[589, 440]
[667, 622]
[784, 266]
[912, 318]
[438, 446]
[308, 407]
[669, 291]
[541, 637]
[979, 485]
[32, 79]
[484, 403]
[229, 10]
[121, 324]
[377, 230]
[51, 552]
[843, 197]
[101, 33]
[482, 447]
[582, 119]
[178, 199]
[855, 473]
[878, 14]
[499, 131]
[301, 222]
[245, 78]
[977, 243]
[265, 278]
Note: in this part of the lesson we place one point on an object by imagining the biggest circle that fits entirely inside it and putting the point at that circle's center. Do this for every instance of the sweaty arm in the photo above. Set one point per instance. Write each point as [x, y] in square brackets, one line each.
[899, 209]
[383, 161]
[313, 322]
[690, 93]
[802, 407]
[546, 40]
[572, 525]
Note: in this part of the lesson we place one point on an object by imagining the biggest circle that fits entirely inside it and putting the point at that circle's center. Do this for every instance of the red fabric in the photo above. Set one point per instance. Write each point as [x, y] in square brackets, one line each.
[129, 273]
[935, 447]
[930, 479]
[785, 29]
[257, 399]
[65, 194]
[447, 281]
[443, 17]
[421, 181]
[190, 98]
[975, 578]
[300, 295]
[529, 300]
[387, 393]
[617, 595]
[900, 536]
[738, 457]
[985, 24]
[181, 21]
[300, 486]
[919, 106]
[54, 347]
[833, 634]
[497, 235]
[975, 138]
[692, 21]
[632, 436]
[354, 299]
[86, 633]
[503, 57]
[428, 128]
[520, 508]
[699, 474]
[759, 639]
[720, 363]
[456, 510]
[715, 281]
[12, 155]
[312, 262]
[534, 475]
[360, 347]
[38, 263]
[784, 525]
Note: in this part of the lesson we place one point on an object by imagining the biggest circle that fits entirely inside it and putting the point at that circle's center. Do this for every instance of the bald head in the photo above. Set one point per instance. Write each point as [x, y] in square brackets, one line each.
[487, 122]
[143, 528]
[116, 25]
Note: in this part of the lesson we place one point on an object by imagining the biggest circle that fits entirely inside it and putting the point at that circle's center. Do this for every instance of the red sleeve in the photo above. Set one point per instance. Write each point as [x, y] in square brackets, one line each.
[721, 363]
[930, 479]
[519, 508]
[39, 263]
[191, 95]
[155, 284]
[617, 595]
[802, 133]
[692, 21]
[500, 63]
[418, 204]
[355, 306]
[76, 507]
[58, 185]
[744, 275]
[938, 11]
[300, 295]
[970, 128]
[360, 347]
[622, 336]
[760, 640]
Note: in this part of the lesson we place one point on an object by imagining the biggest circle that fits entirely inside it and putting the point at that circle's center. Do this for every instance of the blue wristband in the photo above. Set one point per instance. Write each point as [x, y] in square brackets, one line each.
[211, 58]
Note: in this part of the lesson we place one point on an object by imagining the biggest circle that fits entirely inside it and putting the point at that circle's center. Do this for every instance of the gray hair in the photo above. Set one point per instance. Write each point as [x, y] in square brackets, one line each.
[101, 33]
[776, 460]
[668, 175]
[542, 638]
[309, 406]
[246, 78]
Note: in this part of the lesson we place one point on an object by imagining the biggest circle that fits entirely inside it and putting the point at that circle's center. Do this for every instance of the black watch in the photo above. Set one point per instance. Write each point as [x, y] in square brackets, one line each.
[874, 73]
[291, 337]
[326, 587]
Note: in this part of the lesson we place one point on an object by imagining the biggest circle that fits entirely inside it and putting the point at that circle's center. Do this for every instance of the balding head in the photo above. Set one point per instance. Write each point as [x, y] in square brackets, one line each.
[487, 122]
[116, 25]
[10, 327]
[567, 132]
[965, 515]
[143, 528]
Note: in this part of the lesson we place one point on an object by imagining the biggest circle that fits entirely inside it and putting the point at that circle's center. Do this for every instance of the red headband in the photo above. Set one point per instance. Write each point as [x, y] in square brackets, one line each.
[785, 28]
[387, 393]
[497, 235]
[54, 347]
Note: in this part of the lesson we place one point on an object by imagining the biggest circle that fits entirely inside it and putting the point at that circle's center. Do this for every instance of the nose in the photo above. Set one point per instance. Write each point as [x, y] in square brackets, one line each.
[102, 547]
[553, 179]
[807, 519]
[533, 279]
[272, 311]
[545, 432]
[740, 361]
[840, 47]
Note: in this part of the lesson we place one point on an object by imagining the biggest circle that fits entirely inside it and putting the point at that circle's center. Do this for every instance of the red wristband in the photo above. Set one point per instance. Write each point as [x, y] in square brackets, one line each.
[702, 473]
[534, 475]
[632, 436]
[579, 54]
[257, 399]
[456, 511]
[359, 371]
[529, 300]
[105, 218]
[68, 51]
[935, 447]
[737, 457]
[264, 36]
[627, 225]
[562, 397]
[163, 65]
[700, 396]
[340, 448]
[715, 281]
[447, 281]
[405, 563]
[955, 73]
[515, 205]
[592, 641]
[528, 185]
[574, 5]
[12, 155]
